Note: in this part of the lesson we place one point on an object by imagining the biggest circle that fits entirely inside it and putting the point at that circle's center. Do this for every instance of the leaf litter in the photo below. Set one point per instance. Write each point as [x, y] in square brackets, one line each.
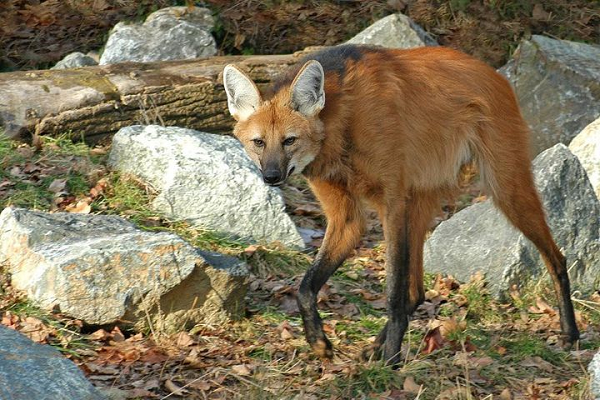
[457, 345]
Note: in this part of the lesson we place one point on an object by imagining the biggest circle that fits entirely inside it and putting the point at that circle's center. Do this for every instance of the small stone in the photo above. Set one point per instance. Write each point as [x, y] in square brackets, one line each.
[75, 60]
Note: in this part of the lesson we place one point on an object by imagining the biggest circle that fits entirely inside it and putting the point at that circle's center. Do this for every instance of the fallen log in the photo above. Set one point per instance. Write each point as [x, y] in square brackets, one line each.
[95, 102]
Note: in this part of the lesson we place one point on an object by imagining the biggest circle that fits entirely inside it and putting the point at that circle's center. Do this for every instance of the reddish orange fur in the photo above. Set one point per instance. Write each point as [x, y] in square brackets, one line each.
[396, 128]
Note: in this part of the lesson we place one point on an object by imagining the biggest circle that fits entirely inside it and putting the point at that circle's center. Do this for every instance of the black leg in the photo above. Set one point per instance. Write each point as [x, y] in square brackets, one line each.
[397, 282]
[345, 225]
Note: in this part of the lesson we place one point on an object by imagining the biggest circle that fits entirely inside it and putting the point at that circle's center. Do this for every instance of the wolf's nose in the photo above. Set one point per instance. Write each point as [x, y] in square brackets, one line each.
[272, 176]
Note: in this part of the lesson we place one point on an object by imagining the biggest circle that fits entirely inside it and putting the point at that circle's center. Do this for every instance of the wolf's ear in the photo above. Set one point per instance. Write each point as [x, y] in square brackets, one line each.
[307, 92]
[243, 97]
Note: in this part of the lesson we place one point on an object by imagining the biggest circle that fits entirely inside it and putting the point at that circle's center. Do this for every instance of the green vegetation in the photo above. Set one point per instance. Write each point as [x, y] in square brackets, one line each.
[36, 178]
[524, 345]
[480, 347]
[366, 380]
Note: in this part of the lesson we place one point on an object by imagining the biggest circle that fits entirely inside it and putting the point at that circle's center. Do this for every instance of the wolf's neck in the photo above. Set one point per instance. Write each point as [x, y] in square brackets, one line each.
[332, 162]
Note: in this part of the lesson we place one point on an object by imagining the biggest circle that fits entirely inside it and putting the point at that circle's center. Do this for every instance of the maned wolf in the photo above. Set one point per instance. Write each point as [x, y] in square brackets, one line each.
[392, 129]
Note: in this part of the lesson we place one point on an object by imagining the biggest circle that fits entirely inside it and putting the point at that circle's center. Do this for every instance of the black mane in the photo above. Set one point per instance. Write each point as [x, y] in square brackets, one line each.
[333, 59]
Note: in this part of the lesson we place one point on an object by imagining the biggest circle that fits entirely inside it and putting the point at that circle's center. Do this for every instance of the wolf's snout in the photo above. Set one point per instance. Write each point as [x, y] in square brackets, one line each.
[272, 176]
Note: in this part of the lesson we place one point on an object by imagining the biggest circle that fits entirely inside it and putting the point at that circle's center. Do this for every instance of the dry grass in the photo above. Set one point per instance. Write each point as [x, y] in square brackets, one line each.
[462, 343]
[37, 34]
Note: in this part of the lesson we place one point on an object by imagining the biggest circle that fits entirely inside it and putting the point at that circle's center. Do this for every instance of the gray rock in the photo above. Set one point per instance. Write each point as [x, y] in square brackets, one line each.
[34, 371]
[558, 86]
[394, 31]
[102, 270]
[173, 33]
[205, 179]
[586, 146]
[75, 60]
[594, 370]
[479, 238]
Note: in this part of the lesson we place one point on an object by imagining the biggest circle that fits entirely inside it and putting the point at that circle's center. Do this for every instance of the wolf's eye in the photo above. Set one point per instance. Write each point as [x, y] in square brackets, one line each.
[289, 141]
[259, 142]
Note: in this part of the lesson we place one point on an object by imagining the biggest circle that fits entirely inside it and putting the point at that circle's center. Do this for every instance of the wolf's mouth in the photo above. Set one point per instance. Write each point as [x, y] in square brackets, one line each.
[281, 182]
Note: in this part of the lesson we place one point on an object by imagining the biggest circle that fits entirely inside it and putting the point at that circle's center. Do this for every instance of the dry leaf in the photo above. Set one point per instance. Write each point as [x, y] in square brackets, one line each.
[289, 305]
[286, 334]
[327, 377]
[285, 330]
[537, 362]
[450, 326]
[154, 356]
[544, 307]
[239, 40]
[480, 362]
[16, 171]
[99, 188]
[100, 335]
[25, 151]
[82, 207]
[102, 370]
[539, 13]
[10, 320]
[307, 209]
[140, 393]
[241, 369]
[505, 395]
[58, 186]
[379, 304]
[200, 385]
[184, 339]
[173, 388]
[35, 330]
[433, 340]
[98, 151]
[117, 335]
[431, 294]
[411, 386]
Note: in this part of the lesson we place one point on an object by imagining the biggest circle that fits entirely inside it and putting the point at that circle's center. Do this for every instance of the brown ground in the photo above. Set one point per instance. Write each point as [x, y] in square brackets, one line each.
[36, 34]
[462, 344]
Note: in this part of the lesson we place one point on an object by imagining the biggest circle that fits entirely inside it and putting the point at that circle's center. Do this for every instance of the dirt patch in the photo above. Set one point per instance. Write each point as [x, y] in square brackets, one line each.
[491, 29]
[36, 33]
[273, 27]
[488, 29]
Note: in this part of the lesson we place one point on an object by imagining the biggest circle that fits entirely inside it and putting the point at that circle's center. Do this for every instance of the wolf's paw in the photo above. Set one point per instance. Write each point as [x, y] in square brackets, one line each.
[323, 348]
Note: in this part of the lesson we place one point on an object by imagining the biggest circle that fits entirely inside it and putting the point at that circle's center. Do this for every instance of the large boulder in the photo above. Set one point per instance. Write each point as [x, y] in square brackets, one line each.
[75, 60]
[34, 371]
[594, 370]
[586, 146]
[558, 86]
[173, 33]
[480, 238]
[394, 31]
[205, 179]
[103, 270]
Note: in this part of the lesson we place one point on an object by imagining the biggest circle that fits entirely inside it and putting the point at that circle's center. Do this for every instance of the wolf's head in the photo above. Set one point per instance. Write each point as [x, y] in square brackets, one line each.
[281, 135]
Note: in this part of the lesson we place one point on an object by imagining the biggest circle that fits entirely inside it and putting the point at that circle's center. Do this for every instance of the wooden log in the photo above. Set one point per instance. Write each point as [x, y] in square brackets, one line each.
[95, 102]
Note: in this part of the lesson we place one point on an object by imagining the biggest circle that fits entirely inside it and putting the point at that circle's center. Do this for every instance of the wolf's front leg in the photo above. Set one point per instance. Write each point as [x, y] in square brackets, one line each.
[345, 224]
